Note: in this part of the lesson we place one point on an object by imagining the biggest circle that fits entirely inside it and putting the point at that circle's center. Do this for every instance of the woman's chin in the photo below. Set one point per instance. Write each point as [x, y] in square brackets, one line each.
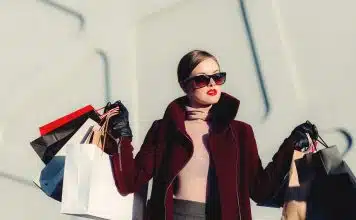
[209, 100]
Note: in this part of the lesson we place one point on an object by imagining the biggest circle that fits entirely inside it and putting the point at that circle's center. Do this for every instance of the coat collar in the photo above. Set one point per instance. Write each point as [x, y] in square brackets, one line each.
[223, 112]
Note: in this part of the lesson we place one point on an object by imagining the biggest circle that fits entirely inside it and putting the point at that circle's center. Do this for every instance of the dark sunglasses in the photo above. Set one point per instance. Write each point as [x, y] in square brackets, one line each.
[203, 80]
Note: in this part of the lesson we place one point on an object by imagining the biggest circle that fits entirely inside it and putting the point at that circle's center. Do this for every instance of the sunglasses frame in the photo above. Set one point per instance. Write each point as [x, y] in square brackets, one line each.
[191, 78]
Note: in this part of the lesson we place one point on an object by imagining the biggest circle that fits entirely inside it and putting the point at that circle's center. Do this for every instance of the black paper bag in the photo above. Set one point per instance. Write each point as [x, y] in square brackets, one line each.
[48, 145]
[333, 190]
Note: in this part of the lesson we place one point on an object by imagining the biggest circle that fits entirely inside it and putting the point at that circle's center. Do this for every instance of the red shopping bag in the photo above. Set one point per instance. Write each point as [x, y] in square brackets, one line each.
[45, 129]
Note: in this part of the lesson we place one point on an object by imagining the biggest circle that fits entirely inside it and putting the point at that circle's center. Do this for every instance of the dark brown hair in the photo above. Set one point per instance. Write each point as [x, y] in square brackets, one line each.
[189, 61]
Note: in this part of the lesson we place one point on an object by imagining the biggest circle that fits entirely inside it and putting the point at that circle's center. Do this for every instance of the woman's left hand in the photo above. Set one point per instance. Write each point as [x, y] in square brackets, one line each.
[300, 137]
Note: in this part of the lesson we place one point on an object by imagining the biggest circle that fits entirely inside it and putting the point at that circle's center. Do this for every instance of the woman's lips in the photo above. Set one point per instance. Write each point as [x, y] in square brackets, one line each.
[212, 92]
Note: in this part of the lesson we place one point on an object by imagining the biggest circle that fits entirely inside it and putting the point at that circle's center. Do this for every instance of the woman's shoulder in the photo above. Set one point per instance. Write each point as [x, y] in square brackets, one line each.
[156, 124]
[242, 126]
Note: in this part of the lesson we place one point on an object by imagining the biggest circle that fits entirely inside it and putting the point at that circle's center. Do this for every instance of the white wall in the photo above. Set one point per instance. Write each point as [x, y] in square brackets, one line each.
[50, 65]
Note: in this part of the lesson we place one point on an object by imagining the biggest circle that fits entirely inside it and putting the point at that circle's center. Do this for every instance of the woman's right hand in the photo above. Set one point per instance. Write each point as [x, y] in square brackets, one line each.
[119, 125]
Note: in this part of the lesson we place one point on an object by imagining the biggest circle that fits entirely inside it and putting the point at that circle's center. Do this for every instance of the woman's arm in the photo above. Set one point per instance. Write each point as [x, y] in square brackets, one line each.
[265, 181]
[130, 173]
[295, 206]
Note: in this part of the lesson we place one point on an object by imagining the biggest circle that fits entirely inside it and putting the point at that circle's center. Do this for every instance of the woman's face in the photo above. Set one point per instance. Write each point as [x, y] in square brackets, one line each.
[207, 95]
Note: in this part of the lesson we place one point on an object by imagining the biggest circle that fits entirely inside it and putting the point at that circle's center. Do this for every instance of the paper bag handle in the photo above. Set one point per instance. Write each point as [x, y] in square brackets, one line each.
[104, 127]
[322, 142]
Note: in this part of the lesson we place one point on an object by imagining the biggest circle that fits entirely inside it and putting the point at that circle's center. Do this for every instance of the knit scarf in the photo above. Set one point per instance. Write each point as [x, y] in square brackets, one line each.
[197, 113]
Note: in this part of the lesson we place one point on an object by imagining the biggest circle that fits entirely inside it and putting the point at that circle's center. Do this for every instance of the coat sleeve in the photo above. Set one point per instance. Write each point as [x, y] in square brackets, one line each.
[265, 181]
[130, 173]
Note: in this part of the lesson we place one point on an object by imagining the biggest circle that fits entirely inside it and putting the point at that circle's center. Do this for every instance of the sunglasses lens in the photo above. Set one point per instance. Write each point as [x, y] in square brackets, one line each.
[201, 81]
[219, 78]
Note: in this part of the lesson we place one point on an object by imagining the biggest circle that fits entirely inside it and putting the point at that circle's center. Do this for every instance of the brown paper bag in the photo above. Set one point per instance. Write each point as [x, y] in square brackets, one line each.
[100, 136]
[295, 206]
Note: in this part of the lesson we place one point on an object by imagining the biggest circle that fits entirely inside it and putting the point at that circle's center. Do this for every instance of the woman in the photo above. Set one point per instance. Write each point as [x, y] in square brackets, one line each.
[204, 164]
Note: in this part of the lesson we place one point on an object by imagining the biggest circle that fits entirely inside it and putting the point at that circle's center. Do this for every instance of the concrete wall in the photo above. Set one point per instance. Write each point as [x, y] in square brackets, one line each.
[286, 61]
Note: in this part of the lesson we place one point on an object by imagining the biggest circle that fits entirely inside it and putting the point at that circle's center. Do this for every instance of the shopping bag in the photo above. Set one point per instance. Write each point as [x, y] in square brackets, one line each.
[278, 198]
[50, 178]
[48, 145]
[295, 200]
[88, 186]
[45, 129]
[333, 189]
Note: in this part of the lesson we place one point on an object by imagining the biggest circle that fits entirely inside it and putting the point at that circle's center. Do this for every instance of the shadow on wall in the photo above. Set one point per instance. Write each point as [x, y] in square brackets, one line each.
[261, 81]
[256, 59]
[82, 23]
[17, 179]
[68, 11]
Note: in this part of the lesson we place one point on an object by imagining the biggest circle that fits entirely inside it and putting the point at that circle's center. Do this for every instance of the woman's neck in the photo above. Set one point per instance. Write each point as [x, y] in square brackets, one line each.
[197, 113]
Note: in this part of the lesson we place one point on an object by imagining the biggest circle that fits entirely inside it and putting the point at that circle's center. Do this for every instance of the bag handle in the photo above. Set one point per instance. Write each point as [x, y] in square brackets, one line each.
[322, 142]
[111, 111]
[104, 127]
[102, 115]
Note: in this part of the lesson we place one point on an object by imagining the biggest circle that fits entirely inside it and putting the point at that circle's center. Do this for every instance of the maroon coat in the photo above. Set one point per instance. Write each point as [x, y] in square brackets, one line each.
[167, 148]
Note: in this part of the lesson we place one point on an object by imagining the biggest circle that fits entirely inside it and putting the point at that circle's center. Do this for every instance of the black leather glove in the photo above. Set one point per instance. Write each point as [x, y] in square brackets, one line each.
[299, 135]
[119, 124]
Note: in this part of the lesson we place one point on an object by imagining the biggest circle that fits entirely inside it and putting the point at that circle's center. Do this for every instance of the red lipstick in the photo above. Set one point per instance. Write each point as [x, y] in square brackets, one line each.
[212, 92]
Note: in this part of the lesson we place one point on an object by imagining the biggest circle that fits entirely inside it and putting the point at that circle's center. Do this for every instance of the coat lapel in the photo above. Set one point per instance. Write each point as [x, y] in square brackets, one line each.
[222, 144]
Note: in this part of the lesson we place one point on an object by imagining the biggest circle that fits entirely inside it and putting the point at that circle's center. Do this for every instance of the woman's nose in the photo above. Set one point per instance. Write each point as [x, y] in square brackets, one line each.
[211, 82]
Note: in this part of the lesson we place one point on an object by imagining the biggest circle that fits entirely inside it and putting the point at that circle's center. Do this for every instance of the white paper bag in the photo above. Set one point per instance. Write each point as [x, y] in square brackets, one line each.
[88, 186]
[49, 179]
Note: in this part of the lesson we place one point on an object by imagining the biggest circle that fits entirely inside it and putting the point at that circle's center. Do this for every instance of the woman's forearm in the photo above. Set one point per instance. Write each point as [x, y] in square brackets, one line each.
[295, 206]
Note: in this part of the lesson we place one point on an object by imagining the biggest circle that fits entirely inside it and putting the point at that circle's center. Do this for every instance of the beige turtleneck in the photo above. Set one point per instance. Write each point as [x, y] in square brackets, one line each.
[192, 179]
